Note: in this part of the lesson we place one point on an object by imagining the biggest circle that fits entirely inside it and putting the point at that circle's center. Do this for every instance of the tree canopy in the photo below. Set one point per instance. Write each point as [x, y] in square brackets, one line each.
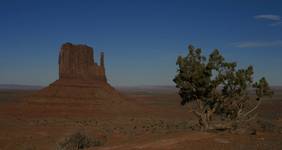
[220, 90]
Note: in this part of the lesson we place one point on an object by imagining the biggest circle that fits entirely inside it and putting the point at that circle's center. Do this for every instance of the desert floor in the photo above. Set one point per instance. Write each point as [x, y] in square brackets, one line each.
[151, 118]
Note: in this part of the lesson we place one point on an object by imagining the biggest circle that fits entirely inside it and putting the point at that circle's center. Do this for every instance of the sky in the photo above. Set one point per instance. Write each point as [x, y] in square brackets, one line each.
[141, 38]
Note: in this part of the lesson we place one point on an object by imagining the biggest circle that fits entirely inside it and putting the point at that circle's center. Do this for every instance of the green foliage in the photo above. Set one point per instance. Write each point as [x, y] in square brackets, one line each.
[218, 88]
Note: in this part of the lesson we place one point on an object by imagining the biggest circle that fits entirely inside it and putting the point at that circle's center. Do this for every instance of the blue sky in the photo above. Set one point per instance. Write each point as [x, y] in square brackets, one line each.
[141, 39]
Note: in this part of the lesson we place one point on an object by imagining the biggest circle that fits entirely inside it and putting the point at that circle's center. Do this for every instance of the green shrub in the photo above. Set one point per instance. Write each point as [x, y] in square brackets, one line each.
[78, 141]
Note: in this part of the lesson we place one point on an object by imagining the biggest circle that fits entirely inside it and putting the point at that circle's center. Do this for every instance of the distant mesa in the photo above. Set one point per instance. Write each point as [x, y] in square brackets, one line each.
[80, 77]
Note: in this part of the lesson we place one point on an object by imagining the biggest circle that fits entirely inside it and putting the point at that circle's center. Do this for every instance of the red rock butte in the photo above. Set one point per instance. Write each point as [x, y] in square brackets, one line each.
[76, 62]
[80, 77]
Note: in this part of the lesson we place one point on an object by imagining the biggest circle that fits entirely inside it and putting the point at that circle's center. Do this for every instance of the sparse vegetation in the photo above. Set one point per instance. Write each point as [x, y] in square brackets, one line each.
[219, 93]
[78, 141]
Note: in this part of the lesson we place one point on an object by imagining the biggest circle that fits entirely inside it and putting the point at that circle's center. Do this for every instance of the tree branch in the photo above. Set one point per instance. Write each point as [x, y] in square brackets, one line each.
[252, 118]
[198, 114]
[246, 114]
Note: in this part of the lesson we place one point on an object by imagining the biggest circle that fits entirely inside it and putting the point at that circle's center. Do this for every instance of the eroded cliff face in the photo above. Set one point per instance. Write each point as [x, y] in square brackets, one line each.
[77, 62]
[79, 76]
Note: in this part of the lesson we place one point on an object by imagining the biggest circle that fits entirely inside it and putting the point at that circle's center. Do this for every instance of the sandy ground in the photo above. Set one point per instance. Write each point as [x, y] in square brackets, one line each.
[149, 119]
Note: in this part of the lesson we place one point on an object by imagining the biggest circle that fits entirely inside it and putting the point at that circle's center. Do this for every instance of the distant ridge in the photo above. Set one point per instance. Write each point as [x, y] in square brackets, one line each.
[148, 88]
[152, 87]
[168, 88]
[19, 87]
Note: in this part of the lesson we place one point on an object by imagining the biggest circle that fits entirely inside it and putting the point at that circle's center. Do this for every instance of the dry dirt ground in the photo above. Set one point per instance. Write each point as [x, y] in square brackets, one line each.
[152, 119]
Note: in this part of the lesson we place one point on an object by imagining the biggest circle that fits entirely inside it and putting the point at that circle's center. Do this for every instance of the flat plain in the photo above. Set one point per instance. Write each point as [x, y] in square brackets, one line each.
[151, 118]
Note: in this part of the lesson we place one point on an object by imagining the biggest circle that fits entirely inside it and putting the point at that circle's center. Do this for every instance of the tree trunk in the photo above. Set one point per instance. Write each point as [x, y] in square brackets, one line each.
[204, 122]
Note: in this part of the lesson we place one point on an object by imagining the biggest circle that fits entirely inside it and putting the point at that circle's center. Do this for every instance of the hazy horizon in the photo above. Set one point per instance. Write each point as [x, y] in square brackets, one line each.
[141, 40]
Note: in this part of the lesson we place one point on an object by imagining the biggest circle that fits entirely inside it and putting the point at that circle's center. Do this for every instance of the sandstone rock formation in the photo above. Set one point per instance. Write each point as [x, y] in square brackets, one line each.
[79, 76]
[76, 62]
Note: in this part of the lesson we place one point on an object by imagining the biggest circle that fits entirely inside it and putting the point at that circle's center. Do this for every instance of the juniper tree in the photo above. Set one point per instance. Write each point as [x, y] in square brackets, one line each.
[219, 91]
